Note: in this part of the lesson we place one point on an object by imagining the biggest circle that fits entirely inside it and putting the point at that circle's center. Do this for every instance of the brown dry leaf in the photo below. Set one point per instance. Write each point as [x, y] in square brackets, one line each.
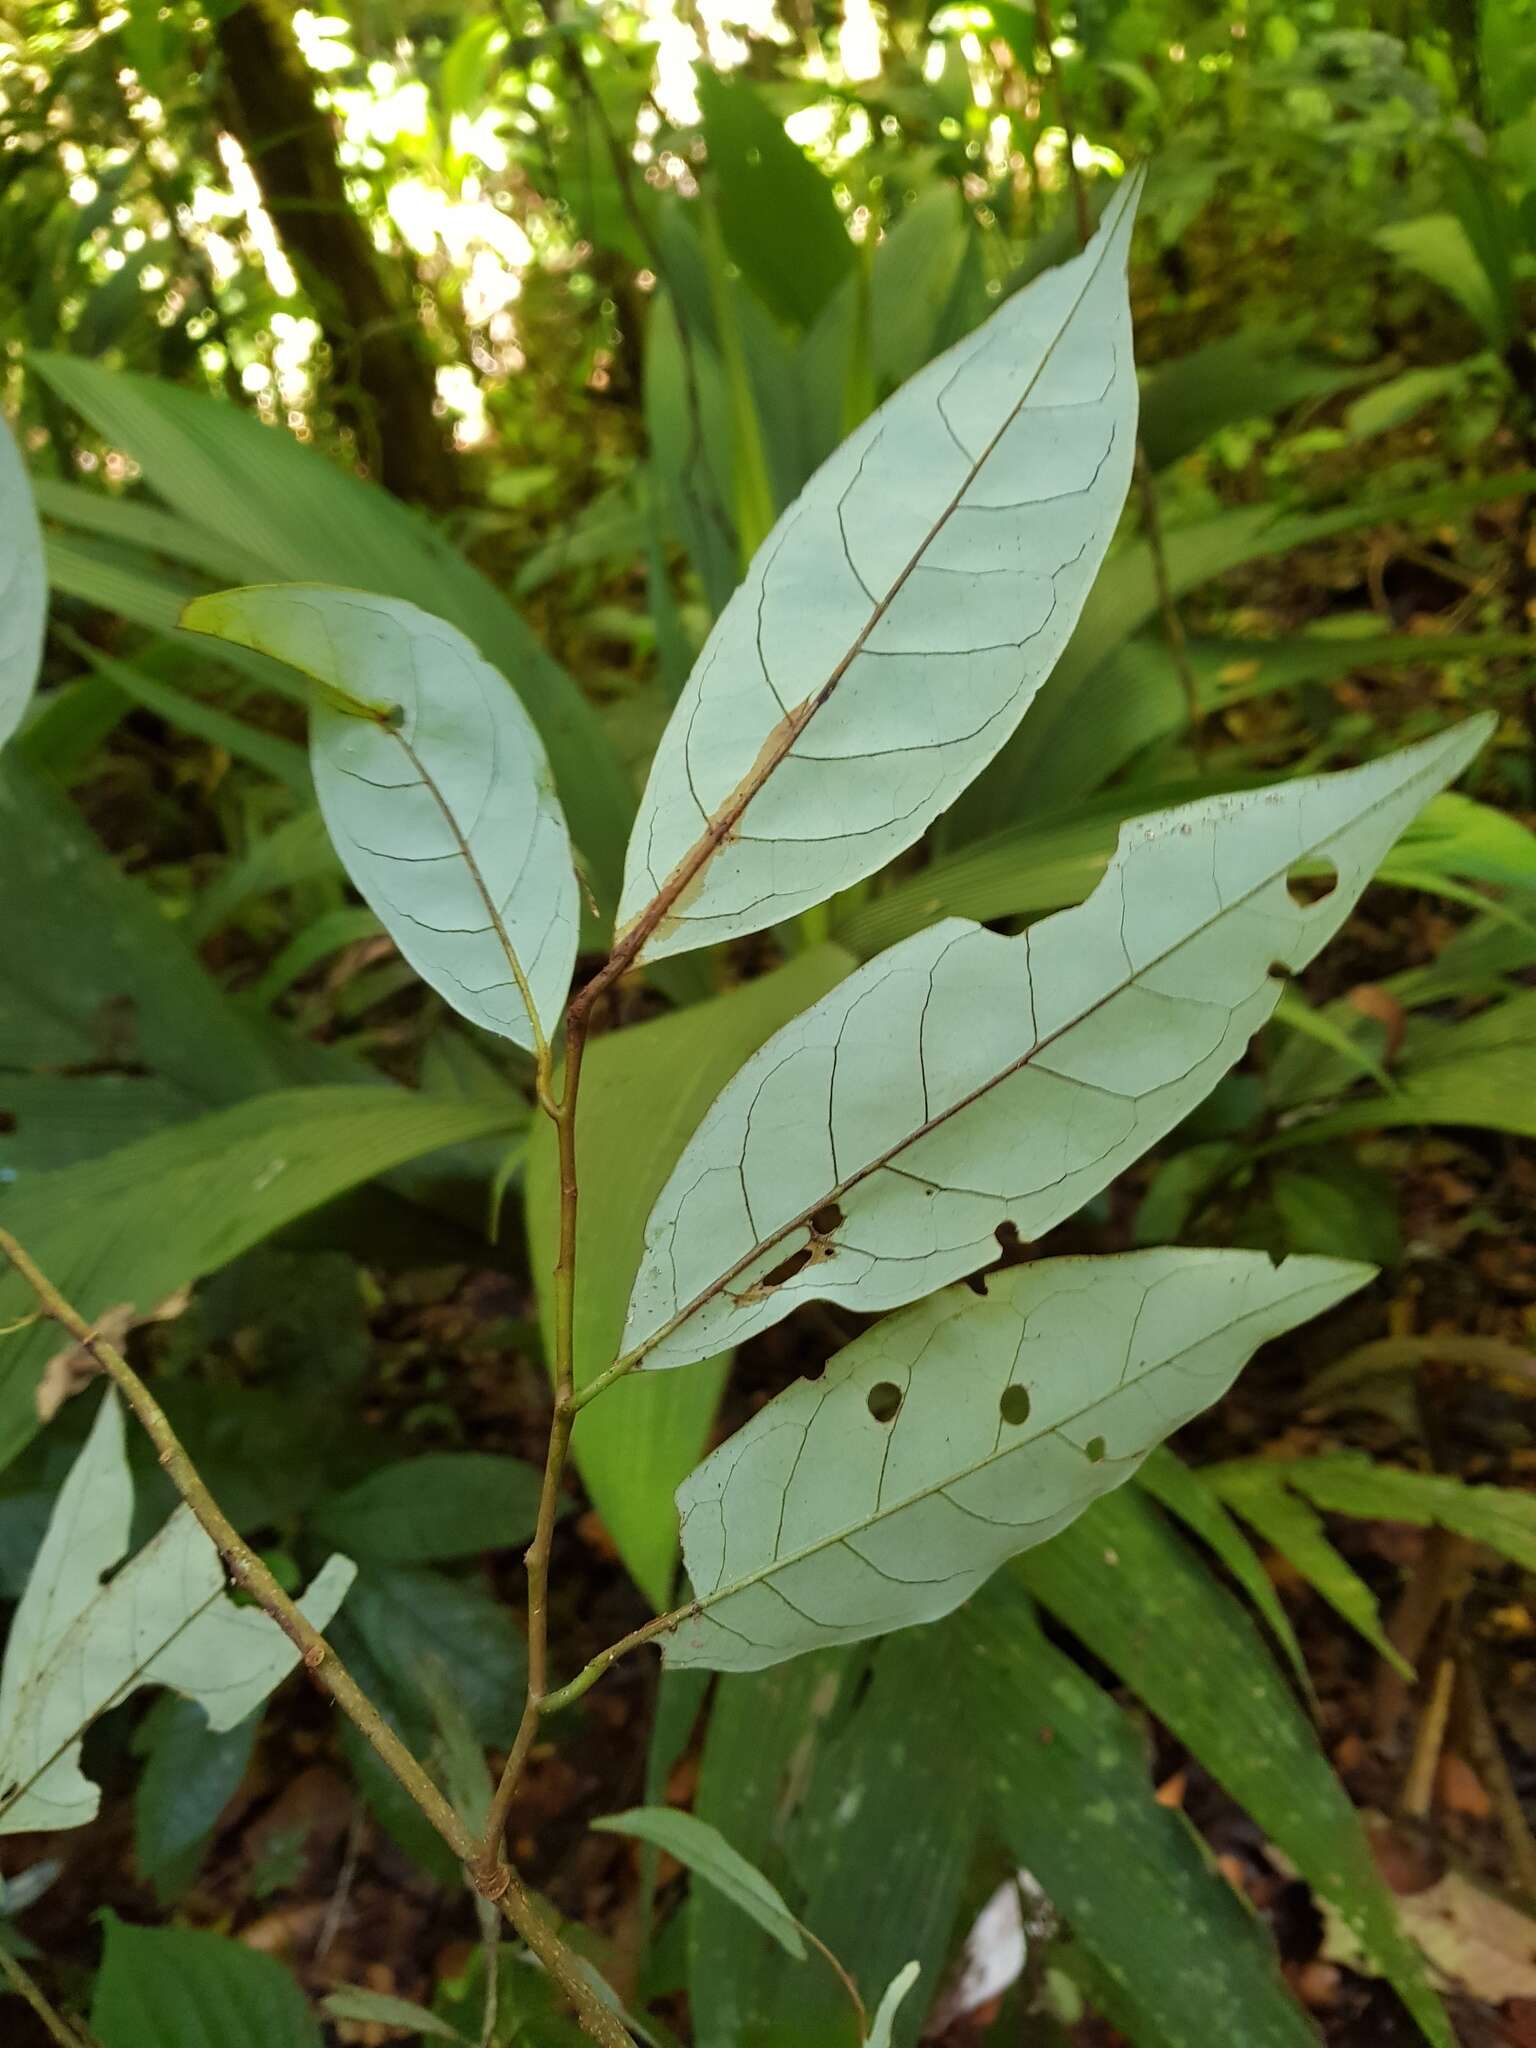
[1385, 1010]
[1471, 1939]
[1316, 1984]
[286, 1930]
[1458, 1788]
[73, 1368]
[1171, 1791]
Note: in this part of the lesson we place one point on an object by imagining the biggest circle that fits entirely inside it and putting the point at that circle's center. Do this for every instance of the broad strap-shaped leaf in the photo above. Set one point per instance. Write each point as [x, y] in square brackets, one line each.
[956, 1434]
[137, 1223]
[290, 512]
[82, 1641]
[1136, 1595]
[797, 1771]
[964, 1084]
[899, 618]
[23, 587]
[1178, 1956]
[445, 816]
[1257, 1491]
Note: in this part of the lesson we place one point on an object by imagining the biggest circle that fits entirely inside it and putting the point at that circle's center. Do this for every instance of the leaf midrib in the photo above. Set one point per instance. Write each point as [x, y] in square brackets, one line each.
[129, 1685]
[728, 815]
[932, 1123]
[705, 1601]
[504, 938]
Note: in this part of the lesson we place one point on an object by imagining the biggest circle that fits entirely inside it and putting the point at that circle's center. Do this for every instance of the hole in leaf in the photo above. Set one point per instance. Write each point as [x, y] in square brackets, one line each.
[1311, 882]
[884, 1400]
[786, 1269]
[1014, 1406]
[1010, 1252]
[1094, 1450]
[822, 1223]
[7, 1121]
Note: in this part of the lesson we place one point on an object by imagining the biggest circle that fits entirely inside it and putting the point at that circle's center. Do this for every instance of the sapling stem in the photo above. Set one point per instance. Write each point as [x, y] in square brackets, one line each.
[493, 1879]
[26, 1988]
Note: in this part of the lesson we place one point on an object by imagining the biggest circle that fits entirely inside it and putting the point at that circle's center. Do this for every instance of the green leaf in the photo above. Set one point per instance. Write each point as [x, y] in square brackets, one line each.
[1057, 858]
[1071, 1799]
[377, 2006]
[1438, 247]
[296, 851]
[1190, 1496]
[136, 1224]
[85, 1636]
[840, 1774]
[23, 588]
[1349, 1484]
[1259, 1494]
[642, 1092]
[879, 329]
[279, 758]
[444, 816]
[1294, 1013]
[687, 423]
[1246, 376]
[705, 1851]
[445, 1504]
[780, 220]
[330, 933]
[885, 2013]
[1470, 841]
[409, 1635]
[898, 620]
[134, 522]
[1345, 1207]
[261, 491]
[1181, 1186]
[191, 1773]
[1130, 1590]
[962, 1081]
[1480, 1072]
[56, 1119]
[1086, 724]
[959, 1432]
[167, 1987]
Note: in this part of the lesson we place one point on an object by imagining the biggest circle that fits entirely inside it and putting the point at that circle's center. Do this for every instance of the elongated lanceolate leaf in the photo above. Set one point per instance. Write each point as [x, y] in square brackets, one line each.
[704, 1850]
[962, 1081]
[960, 1432]
[23, 588]
[79, 1646]
[446, 819]
[900, 616]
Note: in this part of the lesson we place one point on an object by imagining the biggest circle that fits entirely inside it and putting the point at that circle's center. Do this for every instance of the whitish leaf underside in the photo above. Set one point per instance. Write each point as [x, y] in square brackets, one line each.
[23, 588]
[79, 1646]
[896, 623]
[446, 819]
[965, 1082]
[963, 1430]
